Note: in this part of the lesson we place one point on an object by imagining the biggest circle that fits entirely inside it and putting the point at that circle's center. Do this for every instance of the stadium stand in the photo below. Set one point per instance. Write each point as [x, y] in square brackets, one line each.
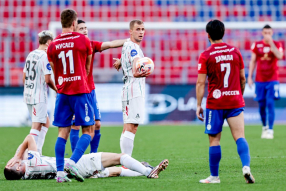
[175, 58]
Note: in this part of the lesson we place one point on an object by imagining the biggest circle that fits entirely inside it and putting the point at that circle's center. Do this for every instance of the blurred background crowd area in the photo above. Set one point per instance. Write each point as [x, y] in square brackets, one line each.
[175, 52]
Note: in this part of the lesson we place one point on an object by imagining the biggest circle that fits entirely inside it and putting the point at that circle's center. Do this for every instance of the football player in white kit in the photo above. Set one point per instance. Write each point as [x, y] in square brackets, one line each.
[133, 91]
[36, 75]
[28, 164]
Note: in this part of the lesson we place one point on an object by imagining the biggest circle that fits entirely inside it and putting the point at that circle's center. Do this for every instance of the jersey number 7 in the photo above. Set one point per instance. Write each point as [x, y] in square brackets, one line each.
[69, 55]
[227, 73]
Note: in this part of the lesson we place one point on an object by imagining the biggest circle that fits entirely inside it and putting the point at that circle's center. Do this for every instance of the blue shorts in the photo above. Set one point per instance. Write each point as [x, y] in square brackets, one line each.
[265, 90]
[215, 118]
[97, 115]
[68, 105]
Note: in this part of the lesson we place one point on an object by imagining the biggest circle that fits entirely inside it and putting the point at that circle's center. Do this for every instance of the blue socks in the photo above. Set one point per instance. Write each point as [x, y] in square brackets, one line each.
[60, 153]
[214, 158]
[243, 151]
[269, 103]
[262, 111]
[271, 112]
[74, 137]
[80, 148]
[95, 141]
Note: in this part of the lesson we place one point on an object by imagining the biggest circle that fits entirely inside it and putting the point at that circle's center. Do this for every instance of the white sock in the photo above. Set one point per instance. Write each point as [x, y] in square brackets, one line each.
[41, 139]
[71, 162]
[128, 172]
[35, 133]
[127, 142]
[61, 173]
[133, 164]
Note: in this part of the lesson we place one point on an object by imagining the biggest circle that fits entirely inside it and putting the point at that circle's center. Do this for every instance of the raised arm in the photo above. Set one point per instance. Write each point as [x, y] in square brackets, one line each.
[277, 52]
[28, 143]
[200, 90]
[252, 65]
[112, 44]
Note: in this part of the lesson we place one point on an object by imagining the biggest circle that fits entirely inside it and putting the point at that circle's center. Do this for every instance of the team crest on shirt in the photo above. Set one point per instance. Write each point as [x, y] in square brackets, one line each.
[49, 66]
[60, 80]
[133, 53]
[216, 93]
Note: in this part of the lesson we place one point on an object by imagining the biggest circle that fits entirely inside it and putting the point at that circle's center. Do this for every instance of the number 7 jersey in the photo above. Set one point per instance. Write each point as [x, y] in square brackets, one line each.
[222, 64]
[36, 67]
[68, 53]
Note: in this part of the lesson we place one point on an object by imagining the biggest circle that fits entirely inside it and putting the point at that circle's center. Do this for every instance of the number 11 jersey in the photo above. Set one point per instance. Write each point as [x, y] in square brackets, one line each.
[222, 64]
[68, 52]
[36, 67]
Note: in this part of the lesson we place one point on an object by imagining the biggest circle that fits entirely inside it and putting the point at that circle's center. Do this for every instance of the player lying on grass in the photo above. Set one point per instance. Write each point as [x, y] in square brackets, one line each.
[224, 67]
[28, 164]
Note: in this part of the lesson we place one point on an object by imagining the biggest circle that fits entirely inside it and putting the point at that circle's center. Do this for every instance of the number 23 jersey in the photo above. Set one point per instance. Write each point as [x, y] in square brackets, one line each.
[36, 67]
[222, 64]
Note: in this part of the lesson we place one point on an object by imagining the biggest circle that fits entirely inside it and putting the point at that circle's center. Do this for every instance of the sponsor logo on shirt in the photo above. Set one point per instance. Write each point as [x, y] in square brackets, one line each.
[219, 47]
[230, 93]
[61, 80]
[209, 126]
[133, 53]
[216, 93]
[49, 66]
[259, 45]
[223, 58]
[199, 66]
[266, 49]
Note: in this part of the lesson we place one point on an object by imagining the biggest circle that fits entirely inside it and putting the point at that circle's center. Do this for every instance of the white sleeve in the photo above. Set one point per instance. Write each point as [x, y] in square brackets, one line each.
[25, 67]
[46, 66]
[133, 52]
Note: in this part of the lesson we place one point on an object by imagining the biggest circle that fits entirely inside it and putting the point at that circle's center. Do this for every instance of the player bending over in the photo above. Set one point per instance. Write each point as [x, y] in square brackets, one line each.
[133, 91]
[36, 75]
[96, 47]
[224, 67]
[266, 53]
[28, 164]
[70, 57]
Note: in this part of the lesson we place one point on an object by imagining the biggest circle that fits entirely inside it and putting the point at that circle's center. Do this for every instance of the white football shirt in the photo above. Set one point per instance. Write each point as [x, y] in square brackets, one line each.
[36, 67]
[133, 87]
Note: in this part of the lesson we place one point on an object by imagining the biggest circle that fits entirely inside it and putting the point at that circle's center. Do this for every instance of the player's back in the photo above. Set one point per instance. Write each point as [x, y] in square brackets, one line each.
[69, 52]
[222, 64]
[35, 88]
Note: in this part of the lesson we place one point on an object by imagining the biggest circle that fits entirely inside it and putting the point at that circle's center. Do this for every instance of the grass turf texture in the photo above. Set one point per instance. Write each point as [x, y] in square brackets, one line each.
[186, 147]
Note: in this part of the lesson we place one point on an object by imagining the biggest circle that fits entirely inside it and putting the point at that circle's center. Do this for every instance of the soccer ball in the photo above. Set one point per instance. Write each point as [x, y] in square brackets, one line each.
[145, 64]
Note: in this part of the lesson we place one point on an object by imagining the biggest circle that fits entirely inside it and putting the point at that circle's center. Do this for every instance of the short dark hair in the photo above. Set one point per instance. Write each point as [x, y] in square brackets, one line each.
[215, 29]
[68, 16]
[267, 27]
[80, 21]
[132, 23]
[13, 174]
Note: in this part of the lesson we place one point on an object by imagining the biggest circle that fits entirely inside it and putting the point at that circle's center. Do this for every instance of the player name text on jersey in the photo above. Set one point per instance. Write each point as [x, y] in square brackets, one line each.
[223, 58]
[65, 45]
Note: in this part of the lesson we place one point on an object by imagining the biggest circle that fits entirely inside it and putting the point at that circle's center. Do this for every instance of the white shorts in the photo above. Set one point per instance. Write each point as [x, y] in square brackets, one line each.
[38, 112]
[134, 110]
[90, 164]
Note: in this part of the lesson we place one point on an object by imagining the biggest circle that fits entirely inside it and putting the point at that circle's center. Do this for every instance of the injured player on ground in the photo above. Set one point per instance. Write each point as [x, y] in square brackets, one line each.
[28, 164]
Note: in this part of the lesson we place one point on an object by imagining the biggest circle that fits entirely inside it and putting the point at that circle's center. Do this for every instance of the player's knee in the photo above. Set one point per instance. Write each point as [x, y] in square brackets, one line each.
[97, 125]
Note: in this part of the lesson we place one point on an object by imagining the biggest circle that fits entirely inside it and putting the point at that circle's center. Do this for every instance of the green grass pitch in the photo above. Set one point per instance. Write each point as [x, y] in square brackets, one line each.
[186, 147]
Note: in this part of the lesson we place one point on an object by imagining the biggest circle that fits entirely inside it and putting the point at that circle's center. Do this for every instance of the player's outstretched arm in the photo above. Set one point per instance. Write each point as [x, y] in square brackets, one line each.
[136, 72]
[112, 44]
[50, 82]
[242, 80]
[200, 90]
[117, 63]
[252, 66]
[28, 143]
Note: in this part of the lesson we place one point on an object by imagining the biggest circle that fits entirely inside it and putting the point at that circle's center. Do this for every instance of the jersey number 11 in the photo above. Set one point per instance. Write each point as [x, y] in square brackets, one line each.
[69, 55]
